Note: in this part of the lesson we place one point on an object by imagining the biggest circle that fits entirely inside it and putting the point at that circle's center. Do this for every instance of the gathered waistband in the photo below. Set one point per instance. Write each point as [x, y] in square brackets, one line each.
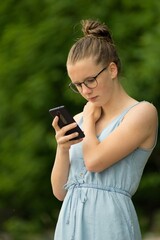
[77, 184]
[108, 189]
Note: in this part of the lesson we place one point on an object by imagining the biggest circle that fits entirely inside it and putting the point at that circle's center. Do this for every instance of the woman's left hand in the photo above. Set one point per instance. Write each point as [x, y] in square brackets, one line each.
[92, 111]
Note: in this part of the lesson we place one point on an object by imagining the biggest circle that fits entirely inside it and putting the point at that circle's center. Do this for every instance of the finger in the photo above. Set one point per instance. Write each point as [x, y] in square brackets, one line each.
[71, 136]
[61, 138]
[67, 140]
[76, 141]
[69, 127]
[55, 123]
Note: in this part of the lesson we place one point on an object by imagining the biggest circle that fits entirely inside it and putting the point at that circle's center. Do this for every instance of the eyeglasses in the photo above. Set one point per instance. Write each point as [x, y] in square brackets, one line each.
[89, 83]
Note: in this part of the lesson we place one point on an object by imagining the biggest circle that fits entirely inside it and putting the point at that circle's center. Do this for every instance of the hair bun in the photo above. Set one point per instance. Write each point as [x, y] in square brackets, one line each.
[96, 29]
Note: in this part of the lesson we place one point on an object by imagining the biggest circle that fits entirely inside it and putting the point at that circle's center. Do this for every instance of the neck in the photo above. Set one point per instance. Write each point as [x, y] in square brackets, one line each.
[119, 102]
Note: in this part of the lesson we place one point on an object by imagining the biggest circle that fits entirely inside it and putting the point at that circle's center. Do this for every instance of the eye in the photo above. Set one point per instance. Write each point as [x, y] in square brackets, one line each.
[90, 81]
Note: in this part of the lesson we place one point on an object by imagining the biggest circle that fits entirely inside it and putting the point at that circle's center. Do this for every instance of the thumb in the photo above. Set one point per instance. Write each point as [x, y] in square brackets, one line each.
[55, 123]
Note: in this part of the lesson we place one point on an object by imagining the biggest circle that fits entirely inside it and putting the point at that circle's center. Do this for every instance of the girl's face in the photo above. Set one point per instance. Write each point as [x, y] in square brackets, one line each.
[84, 72]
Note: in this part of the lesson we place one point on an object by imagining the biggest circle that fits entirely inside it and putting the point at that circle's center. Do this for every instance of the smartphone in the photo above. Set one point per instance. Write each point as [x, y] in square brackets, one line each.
[66, 118]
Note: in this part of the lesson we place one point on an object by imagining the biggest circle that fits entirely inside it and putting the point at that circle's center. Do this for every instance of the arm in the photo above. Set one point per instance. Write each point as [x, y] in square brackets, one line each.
[138, 129]
[61, 166]
[59, 173]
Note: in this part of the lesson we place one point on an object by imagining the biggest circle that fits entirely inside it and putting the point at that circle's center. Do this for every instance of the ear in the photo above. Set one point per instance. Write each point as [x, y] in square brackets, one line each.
[113, 70]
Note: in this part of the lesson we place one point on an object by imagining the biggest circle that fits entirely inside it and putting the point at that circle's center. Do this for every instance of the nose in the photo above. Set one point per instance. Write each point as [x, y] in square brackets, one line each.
[85, 89]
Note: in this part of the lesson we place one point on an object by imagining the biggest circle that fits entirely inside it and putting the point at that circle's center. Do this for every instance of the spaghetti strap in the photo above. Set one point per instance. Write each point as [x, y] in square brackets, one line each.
[129, 108]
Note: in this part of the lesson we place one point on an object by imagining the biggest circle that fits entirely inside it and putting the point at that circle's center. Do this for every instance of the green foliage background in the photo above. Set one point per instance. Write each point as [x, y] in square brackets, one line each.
[35, 37]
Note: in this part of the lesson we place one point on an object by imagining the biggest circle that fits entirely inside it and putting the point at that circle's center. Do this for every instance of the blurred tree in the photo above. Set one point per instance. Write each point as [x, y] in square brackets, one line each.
[35, 37]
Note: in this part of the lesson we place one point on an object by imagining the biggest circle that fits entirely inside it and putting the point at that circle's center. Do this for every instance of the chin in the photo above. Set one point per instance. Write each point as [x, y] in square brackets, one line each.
[97, 104]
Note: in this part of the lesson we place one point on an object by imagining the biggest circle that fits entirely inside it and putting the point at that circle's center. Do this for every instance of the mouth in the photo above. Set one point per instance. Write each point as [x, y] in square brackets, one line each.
[92, 99]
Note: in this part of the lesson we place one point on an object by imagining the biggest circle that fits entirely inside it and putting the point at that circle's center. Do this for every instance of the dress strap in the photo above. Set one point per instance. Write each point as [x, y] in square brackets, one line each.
[128, 109]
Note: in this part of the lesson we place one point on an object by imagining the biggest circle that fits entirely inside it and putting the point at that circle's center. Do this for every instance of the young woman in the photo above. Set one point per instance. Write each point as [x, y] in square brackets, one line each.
[96, 176]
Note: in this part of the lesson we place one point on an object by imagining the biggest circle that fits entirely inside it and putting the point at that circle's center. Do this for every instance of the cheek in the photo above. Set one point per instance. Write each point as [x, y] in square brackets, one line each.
[106, 86]
[106, 90]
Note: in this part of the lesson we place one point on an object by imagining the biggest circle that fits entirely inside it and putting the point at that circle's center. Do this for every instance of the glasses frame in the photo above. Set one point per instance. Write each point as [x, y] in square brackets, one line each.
[72, 85]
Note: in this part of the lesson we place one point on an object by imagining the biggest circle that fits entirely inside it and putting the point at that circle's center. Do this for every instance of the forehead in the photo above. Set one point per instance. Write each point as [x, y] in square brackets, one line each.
[82, 69]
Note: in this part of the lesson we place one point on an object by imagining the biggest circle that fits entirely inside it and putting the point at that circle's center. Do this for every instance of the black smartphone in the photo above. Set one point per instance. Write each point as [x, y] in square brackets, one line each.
[66, 118]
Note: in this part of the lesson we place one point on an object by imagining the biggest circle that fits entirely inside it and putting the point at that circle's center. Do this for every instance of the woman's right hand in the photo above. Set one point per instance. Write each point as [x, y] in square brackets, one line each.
[65, 140]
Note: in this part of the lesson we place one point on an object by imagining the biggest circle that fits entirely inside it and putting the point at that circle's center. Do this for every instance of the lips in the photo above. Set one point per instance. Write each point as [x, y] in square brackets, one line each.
[92, 99]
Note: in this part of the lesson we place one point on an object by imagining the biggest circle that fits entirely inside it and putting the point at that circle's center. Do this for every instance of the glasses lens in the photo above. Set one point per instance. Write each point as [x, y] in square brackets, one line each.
[91, 83]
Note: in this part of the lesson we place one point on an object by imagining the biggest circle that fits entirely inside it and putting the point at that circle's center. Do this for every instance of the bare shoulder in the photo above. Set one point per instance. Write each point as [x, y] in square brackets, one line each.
[144, 111]
[143, 120]
[78, 116]
[148, 106]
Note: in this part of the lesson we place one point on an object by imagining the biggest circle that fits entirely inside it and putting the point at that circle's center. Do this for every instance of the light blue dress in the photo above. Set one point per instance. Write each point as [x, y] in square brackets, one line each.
[98, 206]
